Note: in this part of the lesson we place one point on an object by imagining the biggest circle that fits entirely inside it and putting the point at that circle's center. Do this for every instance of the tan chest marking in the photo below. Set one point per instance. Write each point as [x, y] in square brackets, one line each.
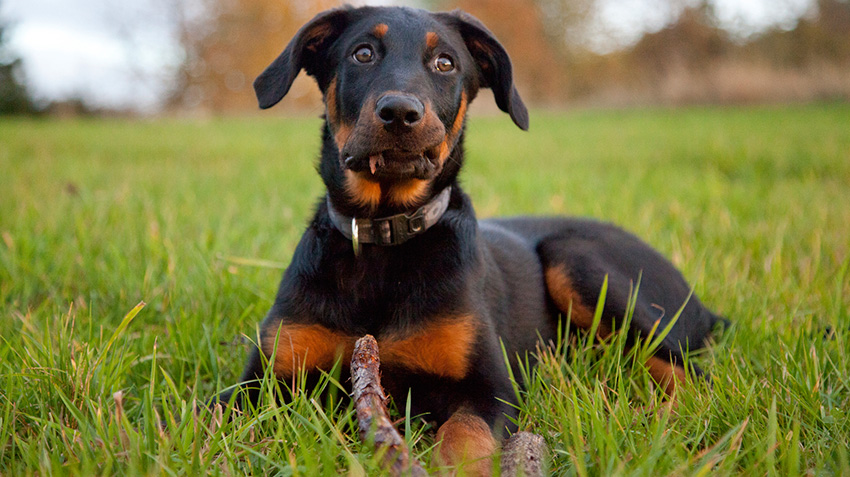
[442, 348]
[306, 347]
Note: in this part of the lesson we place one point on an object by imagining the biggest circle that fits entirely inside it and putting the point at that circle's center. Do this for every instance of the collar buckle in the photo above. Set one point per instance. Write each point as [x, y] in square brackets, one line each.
[355, 237]
[416, 223]
[398, 229]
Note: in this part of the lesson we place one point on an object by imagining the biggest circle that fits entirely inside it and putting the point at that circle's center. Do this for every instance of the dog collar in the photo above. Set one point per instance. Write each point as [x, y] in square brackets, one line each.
[392, 230]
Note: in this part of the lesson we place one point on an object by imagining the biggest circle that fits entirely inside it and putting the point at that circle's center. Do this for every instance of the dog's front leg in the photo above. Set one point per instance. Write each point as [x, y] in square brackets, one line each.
[291, 348]
[465, 442]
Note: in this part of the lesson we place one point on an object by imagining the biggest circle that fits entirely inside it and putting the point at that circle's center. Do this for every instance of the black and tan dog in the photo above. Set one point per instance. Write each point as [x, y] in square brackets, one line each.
[395, 250]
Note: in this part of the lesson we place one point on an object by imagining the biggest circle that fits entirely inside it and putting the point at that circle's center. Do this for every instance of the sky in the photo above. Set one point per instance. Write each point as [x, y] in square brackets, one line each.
[114, 54]
[624, 21]
[121, 53]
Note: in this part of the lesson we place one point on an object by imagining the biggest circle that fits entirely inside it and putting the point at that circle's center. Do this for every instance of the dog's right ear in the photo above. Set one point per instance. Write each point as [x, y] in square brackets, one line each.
[493, 63]
[306, 50]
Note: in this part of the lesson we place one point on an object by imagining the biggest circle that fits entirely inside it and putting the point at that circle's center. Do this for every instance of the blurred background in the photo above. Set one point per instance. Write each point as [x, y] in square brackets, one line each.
[199, 57]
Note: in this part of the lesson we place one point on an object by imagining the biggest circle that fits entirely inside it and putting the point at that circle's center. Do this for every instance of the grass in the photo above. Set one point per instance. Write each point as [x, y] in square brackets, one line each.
[197, 218]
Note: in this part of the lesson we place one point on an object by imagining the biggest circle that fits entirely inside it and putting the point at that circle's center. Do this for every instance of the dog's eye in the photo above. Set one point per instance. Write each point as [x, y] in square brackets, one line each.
[444, 63]
[364, 54]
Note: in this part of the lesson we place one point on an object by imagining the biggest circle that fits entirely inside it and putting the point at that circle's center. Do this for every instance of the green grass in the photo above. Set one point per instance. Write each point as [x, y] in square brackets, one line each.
[197, 218]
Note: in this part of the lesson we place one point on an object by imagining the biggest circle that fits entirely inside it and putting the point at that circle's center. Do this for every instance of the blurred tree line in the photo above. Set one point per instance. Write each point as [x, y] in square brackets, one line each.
[691, 59]
[14, 97]
[17, 99]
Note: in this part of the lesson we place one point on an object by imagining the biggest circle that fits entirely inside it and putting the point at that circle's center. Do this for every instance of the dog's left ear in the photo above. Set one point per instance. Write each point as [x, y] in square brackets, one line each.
[305, 50]
[493, 63]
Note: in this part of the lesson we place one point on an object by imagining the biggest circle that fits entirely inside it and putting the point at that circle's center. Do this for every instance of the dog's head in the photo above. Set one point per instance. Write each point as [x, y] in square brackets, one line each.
[396, 84]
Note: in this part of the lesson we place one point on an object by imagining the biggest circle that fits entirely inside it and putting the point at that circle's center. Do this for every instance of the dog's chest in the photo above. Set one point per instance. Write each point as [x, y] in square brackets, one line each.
[442, 347]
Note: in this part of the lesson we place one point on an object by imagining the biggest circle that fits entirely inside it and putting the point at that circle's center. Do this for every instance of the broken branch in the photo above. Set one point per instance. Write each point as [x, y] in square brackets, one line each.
[372, 415]
[525, 454]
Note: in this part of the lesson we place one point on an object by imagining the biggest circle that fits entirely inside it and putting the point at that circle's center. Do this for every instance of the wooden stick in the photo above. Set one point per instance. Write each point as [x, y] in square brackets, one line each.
[372, 416]
[525, 454]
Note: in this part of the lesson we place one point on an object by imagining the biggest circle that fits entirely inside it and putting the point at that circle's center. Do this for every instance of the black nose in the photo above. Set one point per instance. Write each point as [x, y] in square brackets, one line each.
[399, 111]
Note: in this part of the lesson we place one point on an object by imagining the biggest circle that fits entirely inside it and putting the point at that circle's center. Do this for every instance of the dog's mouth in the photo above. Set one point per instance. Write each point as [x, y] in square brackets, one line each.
[395, 164]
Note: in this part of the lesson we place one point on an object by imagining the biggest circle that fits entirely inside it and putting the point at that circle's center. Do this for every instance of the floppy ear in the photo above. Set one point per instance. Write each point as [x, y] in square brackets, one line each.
[305, 50]
[493, 62]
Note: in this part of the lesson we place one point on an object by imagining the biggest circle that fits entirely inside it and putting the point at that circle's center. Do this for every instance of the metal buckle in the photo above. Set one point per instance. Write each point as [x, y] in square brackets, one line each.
[416, 224]
[355, 237]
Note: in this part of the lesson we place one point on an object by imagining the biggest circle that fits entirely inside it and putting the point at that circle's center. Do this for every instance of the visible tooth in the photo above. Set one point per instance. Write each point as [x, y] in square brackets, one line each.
[373, 163]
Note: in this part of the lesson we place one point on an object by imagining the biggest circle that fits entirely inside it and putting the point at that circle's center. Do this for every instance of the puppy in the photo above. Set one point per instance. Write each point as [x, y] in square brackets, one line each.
[394, 248]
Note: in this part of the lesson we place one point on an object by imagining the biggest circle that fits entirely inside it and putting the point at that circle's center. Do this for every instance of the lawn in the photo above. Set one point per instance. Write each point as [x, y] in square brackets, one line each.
[137, 257]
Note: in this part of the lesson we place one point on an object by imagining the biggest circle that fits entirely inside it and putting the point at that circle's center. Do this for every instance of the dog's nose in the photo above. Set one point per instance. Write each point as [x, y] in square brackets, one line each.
[399, 111]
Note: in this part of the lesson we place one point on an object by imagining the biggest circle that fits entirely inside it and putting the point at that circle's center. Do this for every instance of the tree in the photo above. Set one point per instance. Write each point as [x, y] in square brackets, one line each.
[227, 43]
[522, 28]
[14, 97]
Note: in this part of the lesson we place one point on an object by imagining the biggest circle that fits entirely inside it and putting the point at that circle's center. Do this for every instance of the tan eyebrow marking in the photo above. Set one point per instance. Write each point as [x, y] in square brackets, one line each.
[380, 30]
[431, 39]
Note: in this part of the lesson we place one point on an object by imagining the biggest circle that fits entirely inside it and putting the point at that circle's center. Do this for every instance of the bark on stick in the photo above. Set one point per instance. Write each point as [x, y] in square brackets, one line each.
[372, 416]
[525, 454]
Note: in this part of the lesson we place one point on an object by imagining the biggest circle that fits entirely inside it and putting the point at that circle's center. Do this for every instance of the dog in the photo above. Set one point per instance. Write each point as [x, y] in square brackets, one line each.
[394, 248]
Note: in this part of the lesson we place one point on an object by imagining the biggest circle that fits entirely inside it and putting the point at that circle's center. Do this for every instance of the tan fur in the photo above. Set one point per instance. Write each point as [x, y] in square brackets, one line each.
[340, 130]
[561, 290]
[330, 102]
[362, 191]
[341, 135]
[448, 143]
[408, 193]
[431, 39]
[442, 348]
[315, 36]
[306, 346]
[666, 374]
[465, 440]
[380, 30]
[461, 114]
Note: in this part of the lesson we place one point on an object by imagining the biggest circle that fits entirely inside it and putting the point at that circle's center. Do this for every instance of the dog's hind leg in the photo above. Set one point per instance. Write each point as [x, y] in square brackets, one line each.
[575, 269]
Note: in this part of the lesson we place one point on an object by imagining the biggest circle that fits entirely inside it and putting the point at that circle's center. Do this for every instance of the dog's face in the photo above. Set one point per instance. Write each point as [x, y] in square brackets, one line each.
[397, 102]
[396, 83]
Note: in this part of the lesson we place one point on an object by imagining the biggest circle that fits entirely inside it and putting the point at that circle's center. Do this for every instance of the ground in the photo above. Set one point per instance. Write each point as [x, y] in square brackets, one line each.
[197, 219]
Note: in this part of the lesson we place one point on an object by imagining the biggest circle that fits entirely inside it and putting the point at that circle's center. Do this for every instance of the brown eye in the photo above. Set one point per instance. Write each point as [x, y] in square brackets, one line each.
[444, 63]
[364, 54]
